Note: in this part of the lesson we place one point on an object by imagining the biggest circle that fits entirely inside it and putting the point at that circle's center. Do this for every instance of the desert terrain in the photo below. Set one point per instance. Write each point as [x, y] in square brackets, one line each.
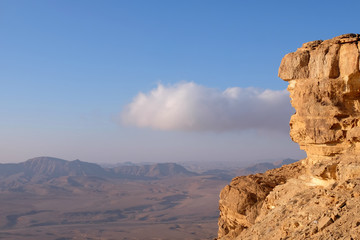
[49, 198]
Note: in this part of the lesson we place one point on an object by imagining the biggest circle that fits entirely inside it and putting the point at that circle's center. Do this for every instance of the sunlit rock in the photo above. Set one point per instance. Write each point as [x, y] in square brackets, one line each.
[318, 197]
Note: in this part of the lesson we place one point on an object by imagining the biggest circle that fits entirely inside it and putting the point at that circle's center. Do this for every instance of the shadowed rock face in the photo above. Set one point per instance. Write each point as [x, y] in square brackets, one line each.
[318, 197]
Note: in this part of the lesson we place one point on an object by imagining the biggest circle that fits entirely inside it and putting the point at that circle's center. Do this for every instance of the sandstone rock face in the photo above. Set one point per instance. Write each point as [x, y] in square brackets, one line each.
[318, 197]
[325, 91]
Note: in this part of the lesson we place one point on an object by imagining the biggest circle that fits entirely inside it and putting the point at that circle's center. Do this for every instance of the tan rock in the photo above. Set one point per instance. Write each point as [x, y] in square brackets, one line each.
[324, 222]
[295, 65]
[326, 100]
[324, 62]
[318, 197]
[349, 60]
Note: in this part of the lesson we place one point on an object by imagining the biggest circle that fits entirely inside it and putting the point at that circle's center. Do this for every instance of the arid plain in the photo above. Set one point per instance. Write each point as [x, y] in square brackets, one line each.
[91, 207]
[49, 198]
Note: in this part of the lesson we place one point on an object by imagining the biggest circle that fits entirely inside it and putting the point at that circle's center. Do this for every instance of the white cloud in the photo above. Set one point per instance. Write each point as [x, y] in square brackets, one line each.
[192, 107]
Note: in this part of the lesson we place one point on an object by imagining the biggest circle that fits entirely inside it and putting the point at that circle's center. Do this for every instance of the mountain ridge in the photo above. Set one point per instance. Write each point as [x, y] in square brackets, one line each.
[46, 168]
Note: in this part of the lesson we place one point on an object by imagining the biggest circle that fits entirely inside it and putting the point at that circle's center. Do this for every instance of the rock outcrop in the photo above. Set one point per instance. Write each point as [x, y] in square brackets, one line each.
[317, 197]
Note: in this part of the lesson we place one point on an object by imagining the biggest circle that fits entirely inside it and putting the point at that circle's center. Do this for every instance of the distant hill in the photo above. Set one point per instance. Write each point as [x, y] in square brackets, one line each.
[41, 169]
[54, 167]
[285, 162]
[263, 167]
[46, 168]
[158, 170]
[252, 169]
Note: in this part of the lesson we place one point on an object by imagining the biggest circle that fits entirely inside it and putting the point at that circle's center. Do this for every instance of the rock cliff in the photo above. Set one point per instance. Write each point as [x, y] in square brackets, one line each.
[317, 197]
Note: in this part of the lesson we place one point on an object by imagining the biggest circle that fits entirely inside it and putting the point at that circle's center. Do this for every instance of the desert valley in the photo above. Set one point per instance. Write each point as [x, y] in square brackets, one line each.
[50, 198]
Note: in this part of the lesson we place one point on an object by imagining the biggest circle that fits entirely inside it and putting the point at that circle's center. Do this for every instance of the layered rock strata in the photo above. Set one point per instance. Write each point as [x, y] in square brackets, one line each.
[318, 197]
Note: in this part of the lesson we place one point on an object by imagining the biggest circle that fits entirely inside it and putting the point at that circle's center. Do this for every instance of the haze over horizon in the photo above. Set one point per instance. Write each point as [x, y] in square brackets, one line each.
[158, 81]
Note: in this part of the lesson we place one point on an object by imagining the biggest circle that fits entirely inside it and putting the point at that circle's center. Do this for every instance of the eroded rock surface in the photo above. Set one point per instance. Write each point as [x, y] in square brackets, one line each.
[242, 200]
[318, 197]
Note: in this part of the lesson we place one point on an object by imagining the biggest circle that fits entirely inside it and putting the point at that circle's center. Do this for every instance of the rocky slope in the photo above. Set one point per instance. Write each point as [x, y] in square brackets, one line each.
[318, 197]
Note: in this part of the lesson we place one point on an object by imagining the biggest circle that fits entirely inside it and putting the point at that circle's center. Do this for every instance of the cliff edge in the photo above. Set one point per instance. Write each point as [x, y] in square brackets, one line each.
[317, 197]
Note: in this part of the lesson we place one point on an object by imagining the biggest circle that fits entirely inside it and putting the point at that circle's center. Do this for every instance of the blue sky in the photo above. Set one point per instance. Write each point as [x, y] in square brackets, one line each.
[70, 69]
